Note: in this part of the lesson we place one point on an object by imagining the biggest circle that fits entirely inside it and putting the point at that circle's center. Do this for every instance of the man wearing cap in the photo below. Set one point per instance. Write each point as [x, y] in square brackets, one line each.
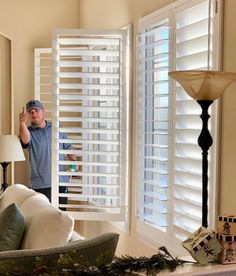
[37, 139]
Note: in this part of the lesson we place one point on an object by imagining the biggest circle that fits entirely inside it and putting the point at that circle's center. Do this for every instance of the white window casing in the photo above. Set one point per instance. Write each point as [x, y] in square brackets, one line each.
[182, 36]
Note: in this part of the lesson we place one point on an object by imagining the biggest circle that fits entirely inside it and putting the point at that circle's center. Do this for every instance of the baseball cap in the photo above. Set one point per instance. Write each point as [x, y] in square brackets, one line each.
[34, 104]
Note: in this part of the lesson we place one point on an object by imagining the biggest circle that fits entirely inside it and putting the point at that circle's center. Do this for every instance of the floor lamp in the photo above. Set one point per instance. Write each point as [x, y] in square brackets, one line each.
[204, 87]
[10, 150]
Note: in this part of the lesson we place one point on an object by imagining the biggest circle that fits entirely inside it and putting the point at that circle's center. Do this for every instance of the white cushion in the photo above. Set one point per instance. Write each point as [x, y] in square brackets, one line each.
[16, 193]
[76, 237]
[45, 226]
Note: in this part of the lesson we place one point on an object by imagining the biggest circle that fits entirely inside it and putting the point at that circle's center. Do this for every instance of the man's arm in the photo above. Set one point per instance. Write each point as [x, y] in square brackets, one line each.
[72, 157]
[23, 130]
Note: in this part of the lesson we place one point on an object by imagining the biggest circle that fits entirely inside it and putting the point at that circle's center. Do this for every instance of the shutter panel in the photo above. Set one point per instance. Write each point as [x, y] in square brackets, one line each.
[179, 37]
[153, 124]
[192, 51]
[90, 107]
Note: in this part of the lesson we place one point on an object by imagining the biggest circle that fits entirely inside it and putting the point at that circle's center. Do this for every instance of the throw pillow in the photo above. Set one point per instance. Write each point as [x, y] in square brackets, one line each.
[16, 193]
[11, 227]
[45, 226]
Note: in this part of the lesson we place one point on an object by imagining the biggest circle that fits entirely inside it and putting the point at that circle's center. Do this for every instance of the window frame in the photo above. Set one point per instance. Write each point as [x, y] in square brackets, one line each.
[148, 234]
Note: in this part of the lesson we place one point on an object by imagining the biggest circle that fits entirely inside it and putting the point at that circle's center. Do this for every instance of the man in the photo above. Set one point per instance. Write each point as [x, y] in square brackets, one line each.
[37, 139]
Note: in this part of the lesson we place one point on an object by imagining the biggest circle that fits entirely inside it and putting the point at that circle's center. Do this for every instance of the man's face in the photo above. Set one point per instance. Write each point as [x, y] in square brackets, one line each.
[36, 116]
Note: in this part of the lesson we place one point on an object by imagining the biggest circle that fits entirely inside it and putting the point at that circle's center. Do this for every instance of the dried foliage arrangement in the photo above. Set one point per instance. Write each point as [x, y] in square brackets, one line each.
[67, 265]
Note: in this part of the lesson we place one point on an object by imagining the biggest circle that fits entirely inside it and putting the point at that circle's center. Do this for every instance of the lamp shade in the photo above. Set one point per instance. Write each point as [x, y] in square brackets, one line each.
[204, 85]
[10, 149]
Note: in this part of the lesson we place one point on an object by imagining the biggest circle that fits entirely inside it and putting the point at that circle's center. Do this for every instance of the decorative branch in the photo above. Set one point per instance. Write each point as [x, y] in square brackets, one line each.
[69, 265]
[151, 265]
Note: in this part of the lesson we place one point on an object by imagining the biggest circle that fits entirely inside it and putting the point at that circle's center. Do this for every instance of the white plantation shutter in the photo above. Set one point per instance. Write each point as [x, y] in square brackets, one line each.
[181, 37]
[90, 107]
[192, 51]
[153, 124]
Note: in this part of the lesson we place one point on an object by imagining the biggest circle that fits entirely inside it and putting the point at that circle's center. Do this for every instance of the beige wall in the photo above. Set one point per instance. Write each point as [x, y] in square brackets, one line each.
[228, 130]
[5, 85]
[103, 14]
[5, 92]
[29, 25]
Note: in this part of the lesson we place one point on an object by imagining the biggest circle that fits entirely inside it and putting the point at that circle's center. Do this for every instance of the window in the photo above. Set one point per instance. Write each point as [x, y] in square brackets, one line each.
[182, 36]
[90, 105]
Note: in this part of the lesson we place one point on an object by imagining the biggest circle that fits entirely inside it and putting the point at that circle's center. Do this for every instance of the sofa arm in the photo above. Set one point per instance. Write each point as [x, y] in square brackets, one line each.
[96, 251]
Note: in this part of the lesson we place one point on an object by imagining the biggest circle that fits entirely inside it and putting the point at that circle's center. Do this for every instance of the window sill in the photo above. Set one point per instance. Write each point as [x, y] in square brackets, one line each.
[211, 269]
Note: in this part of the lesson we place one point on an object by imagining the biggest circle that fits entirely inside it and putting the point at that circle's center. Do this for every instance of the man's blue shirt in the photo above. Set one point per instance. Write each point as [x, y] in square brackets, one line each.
[40, 156]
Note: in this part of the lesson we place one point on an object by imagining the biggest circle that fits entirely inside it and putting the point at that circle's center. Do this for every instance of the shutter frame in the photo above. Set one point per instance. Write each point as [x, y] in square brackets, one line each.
[172, 235]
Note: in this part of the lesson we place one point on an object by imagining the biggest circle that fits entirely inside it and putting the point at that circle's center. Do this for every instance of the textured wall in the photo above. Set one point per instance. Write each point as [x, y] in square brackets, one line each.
[29, 24]
[228, 127]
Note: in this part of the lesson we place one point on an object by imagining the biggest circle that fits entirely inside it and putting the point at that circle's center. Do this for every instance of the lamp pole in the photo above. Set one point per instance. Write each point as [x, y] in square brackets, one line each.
[204, 87]
[4, 168]
[205, 141]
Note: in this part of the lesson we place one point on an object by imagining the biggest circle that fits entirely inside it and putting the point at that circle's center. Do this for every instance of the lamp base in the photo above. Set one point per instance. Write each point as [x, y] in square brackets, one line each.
[205, 141]
[4, 186]
[4, 168]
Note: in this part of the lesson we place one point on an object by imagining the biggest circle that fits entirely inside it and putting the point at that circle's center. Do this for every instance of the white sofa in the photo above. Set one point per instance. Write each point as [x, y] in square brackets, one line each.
[49, 234]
